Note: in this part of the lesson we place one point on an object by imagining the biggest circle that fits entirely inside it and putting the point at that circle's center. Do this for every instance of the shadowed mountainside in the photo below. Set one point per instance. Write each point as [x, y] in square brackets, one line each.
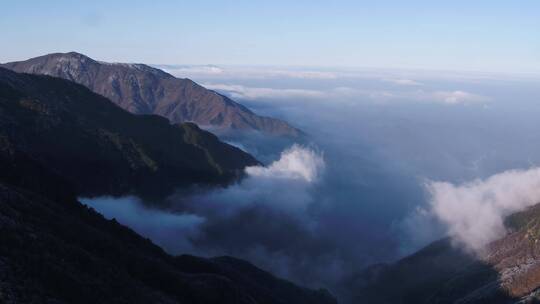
[55, 250]
[439, 273]
[103, 149]
[59, 140]
[141, 89]
[505, 271]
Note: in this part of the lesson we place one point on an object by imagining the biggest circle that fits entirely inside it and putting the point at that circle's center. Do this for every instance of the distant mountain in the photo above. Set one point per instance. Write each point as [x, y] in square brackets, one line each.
[59, 140]
[142, 89]
[506, 271]
[102, 149]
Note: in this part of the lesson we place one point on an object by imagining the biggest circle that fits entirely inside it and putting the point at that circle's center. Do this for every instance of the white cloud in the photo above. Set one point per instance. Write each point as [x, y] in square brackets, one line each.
[403, 81]
[283, 185]
[236, 91]
[474, 212]
[405, 77]
[294, 163]
[458, 97]
[244, 92]
[192, 70]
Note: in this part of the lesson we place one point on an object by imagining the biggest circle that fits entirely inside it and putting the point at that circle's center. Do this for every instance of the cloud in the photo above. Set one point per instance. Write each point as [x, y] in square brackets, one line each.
[190, 70]
[403, 77]
[268, 219]
[278, 193]
[244, 92]
[297, 170]
[377, 153]
[171, 231]
[295, 163]
[458, 97]
[403, 81]
[474, 212]
[257, 93]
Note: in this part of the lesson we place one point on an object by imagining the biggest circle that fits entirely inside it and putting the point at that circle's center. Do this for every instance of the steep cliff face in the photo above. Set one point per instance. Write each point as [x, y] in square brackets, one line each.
[141, 89]
[103, 149]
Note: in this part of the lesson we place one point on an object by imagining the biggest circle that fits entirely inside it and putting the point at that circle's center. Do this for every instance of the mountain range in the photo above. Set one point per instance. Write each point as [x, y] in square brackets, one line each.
[59, 140]
[141, 89]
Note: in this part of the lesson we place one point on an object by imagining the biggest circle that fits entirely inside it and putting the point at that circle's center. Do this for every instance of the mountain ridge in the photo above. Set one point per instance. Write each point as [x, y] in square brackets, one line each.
[142, 89]
[59, 140]
[103, 149]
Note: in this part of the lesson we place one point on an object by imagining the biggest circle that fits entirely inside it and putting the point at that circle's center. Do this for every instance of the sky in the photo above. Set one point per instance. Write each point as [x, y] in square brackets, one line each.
[477, 35]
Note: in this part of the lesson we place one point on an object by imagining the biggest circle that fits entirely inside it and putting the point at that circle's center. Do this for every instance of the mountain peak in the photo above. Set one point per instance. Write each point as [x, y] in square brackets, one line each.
[73, 54]
[142, 89]
[62, 57]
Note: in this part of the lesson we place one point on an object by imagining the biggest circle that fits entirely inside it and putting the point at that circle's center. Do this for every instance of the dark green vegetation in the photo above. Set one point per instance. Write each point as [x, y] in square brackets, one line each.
[59, 140]
[102, 149]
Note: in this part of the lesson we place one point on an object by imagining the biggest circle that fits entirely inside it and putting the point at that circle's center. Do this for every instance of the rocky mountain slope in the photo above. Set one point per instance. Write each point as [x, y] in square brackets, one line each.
[142, 89]
[505, 271]
[103, 149]
[59, 140]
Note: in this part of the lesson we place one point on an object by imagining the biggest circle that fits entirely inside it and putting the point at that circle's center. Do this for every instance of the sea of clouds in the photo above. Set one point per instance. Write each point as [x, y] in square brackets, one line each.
[393, 160]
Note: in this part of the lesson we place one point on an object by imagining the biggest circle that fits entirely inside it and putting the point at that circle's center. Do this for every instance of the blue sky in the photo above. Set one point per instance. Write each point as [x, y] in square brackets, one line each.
[460, 35]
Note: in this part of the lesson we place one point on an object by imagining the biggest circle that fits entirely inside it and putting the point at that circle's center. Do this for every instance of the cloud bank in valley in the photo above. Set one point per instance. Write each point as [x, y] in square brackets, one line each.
[171, 231]
[237, 91]
[283, 185]
[295, 163]
[244, 92]
[474, 212]
[316, 218]
[265, 218]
